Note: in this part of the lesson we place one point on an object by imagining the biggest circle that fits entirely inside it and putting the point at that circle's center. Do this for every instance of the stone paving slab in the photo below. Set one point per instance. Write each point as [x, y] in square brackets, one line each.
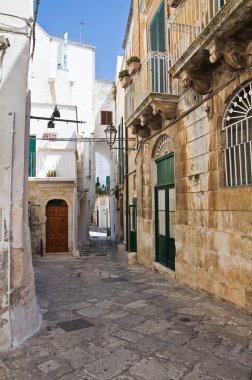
[103, 319]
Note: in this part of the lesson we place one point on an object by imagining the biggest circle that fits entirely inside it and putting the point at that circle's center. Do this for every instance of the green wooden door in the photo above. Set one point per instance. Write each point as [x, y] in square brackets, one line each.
[32, 157]
[165, 213]
[133, 228]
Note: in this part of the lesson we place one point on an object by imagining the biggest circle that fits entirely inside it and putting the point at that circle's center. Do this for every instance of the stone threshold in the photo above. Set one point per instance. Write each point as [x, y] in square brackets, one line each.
[163, 271]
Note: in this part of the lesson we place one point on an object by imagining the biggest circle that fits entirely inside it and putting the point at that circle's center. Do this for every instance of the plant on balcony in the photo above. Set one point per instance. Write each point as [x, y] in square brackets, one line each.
[125, 78]
[134, 65]
[51, 173]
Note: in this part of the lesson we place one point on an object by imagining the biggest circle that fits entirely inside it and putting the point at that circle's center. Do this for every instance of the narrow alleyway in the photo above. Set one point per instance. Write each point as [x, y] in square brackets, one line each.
[103, 319]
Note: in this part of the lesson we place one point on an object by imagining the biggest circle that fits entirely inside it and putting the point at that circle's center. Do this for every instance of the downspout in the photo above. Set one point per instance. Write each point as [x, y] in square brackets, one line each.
[10, 237]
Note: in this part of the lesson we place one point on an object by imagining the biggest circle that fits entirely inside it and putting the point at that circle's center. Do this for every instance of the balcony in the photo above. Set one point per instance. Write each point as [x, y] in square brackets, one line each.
[152, 95]
[52, 166]
[205, 33]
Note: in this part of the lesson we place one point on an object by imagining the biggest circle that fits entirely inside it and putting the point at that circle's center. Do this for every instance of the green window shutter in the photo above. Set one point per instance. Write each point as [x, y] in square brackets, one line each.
[157, 30]
[120, 152]
[153, 35]
[161, 29]
[32, 156]
[108, 183]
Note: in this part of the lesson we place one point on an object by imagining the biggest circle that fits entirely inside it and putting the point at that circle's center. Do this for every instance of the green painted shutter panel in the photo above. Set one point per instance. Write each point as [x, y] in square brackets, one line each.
[157, 31]
[32, 157]
[120, 151]
[153, 35]
[108, 183]
[161, 29]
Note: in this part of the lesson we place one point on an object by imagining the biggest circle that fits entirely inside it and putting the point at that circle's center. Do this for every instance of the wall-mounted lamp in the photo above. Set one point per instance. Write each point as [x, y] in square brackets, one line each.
[111, 132]
[50, 124]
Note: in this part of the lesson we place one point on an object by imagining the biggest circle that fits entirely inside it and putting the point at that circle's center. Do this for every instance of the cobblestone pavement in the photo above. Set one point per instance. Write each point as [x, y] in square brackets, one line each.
[103, 319]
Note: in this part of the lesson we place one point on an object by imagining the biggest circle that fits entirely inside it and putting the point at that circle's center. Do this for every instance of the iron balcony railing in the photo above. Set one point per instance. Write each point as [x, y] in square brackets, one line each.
[52, 164]
[188, 21]
[153, 78]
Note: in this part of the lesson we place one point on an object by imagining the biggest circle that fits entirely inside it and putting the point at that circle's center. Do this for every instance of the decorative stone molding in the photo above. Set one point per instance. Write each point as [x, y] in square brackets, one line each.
[166, 109]
[155, 123]
[200, 82]
[232, 52]
[162, 147]
[144, 132]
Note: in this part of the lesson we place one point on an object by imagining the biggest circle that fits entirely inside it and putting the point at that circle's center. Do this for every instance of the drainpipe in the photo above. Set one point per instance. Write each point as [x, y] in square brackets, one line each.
[12, 114]
[127, 188]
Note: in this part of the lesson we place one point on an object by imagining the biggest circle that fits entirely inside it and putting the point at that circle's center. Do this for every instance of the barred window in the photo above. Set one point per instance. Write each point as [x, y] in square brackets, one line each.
[237, 129]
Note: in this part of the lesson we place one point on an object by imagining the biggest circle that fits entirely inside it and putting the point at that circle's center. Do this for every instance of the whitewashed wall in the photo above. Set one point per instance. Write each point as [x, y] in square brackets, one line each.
[19, 316]
[105, 102]
[51, 83]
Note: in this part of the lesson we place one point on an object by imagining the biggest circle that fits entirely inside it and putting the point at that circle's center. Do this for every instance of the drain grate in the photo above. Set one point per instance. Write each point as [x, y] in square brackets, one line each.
[185, 319]
[76, 324]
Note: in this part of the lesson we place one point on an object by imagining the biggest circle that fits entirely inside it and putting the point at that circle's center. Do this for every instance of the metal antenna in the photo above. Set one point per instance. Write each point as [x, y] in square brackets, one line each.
[81, 30]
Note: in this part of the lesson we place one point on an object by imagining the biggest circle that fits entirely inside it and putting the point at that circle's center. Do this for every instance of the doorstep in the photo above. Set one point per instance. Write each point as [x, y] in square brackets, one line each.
[164, 271]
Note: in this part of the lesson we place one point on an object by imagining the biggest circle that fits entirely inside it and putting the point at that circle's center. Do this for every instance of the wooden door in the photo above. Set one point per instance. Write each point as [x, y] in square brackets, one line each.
[57, 228]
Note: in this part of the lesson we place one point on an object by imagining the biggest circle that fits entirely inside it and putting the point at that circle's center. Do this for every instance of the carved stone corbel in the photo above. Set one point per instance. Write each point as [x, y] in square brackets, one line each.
[144, 120]
[144, 132]
[234, 55]
[201, 82]
[166, 109]
[232, 52]
[155, 123]
[135, 128]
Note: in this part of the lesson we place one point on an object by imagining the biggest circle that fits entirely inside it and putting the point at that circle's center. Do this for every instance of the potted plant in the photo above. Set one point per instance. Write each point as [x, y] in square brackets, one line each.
[125, 78]
[134, 65]
[54, 173]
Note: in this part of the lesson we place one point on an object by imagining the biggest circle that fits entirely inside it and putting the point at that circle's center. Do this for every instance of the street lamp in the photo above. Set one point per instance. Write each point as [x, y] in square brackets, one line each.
[110, 132]
[55, 113]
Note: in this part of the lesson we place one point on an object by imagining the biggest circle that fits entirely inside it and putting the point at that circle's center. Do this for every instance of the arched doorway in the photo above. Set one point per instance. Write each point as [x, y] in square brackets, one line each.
[165, 202]
[56, 226]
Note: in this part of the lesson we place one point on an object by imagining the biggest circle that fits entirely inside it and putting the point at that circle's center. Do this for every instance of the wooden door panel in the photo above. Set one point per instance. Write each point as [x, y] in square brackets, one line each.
[57, 228]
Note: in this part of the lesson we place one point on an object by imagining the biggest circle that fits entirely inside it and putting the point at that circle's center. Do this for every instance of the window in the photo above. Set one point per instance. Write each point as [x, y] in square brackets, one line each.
[106, 117]
[237, 130]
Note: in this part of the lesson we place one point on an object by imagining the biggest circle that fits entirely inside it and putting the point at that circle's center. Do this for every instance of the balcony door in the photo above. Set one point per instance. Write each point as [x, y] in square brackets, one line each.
[165, 212]
[158, 60]
[57, 226]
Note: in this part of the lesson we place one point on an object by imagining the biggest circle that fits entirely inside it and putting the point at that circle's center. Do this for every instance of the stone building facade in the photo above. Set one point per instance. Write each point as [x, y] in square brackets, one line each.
[190, 109]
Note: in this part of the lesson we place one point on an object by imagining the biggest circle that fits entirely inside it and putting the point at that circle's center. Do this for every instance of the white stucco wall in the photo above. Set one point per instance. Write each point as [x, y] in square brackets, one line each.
[19, 316]
[104, 91]
[72, 88]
